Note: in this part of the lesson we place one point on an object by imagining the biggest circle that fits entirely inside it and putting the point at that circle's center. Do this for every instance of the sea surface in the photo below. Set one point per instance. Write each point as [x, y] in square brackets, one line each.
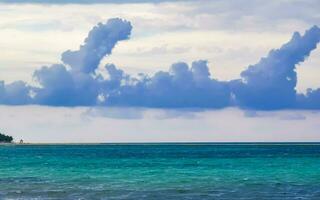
[161, 171]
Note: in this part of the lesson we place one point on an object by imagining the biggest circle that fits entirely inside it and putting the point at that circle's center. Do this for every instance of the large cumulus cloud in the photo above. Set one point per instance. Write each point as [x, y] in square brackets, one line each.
[181, 86]
[16, 93]
[99, 43]
[268, 85]
[60, 87]
[79, 86]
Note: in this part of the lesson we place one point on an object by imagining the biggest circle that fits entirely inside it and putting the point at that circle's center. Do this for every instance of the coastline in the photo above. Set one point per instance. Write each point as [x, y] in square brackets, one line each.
[162, 143]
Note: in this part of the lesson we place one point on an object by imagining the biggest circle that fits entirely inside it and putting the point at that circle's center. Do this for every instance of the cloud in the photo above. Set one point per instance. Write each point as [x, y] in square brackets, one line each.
[181, 86]
[60, 87]
[99, 43]
[16, 93]
[78, 86]
[281, 115]
[268, 85]
[310, 100]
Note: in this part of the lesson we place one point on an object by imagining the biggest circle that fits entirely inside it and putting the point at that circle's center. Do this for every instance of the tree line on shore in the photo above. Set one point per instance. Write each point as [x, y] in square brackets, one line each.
[5, 138]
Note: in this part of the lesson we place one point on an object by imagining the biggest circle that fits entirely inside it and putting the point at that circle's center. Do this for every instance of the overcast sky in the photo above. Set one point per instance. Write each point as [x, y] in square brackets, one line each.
[230, 35]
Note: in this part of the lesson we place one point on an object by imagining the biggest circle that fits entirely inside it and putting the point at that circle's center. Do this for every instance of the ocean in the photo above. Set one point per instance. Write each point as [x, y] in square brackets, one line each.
[161, 171]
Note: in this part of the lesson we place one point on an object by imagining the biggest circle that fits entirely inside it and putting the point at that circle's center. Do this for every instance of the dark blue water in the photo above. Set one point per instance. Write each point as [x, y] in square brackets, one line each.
[160, 171]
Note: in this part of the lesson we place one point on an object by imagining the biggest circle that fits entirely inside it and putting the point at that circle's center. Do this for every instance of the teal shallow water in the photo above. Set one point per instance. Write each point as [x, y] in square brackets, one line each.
[160, 171]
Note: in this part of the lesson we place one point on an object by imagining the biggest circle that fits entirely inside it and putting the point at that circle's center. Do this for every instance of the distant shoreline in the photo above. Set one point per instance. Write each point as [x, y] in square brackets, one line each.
[162, 143]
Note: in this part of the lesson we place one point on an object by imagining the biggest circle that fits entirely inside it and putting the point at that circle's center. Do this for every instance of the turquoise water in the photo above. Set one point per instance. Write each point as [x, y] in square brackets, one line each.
[160, 171]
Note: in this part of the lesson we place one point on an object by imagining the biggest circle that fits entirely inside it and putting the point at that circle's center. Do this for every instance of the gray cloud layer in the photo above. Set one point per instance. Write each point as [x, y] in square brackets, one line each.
[268, 85]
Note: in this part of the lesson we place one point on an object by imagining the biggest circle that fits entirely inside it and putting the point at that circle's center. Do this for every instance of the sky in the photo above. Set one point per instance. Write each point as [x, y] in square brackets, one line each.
[139, 70]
